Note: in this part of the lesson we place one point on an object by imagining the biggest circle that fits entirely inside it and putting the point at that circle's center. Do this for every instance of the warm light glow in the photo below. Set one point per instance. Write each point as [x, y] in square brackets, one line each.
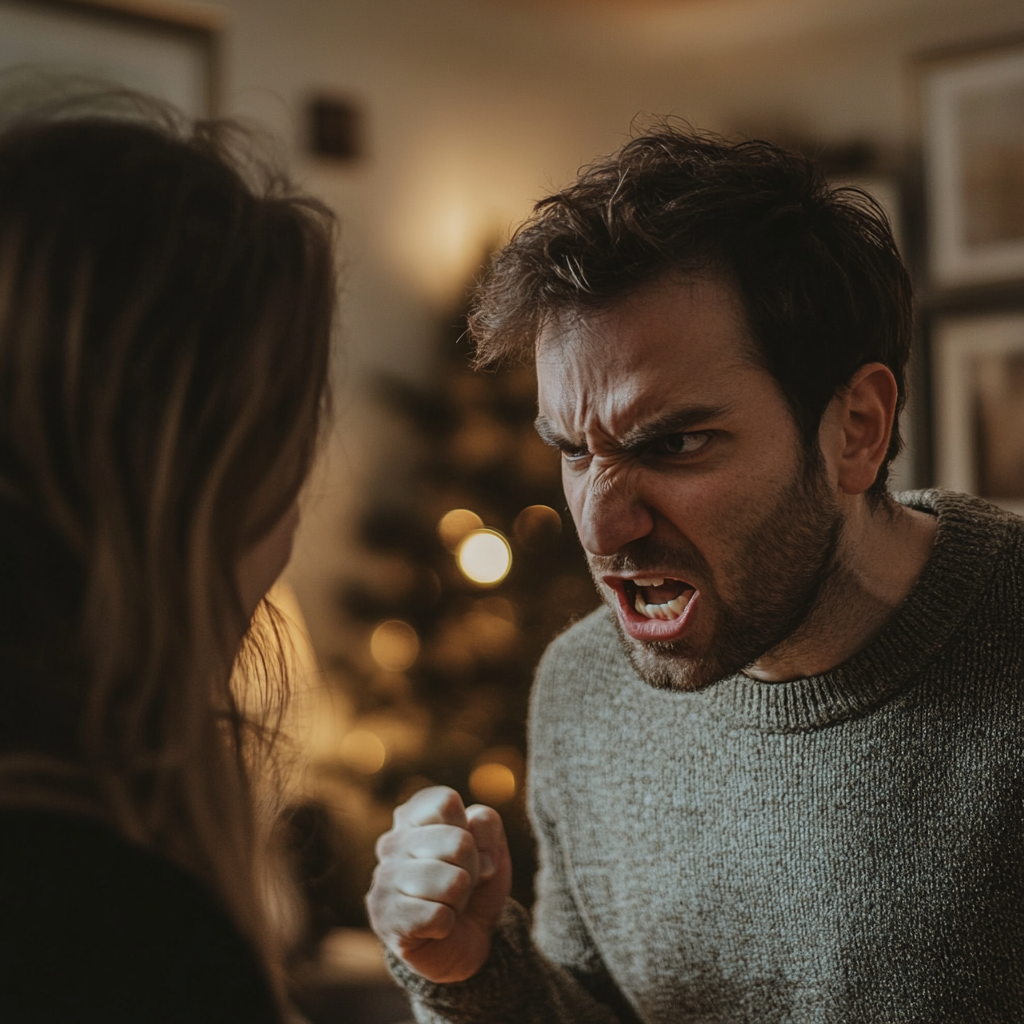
[315, 714]
[537, 527]
[455, 525]
[460, 189]
[492, 783]
[485, 557]
[490, 627]
[502, 607]
[394, 645]
[364, 751]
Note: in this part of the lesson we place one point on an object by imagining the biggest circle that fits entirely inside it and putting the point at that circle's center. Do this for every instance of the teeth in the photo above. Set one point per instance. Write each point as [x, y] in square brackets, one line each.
[653, 582]
[668, 610]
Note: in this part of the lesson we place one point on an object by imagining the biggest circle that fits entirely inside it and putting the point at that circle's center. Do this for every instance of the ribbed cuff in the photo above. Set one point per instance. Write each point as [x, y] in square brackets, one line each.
[491, 989]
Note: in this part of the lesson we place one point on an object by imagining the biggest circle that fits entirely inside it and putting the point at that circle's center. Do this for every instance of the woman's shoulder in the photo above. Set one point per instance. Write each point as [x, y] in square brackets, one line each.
[93, 927]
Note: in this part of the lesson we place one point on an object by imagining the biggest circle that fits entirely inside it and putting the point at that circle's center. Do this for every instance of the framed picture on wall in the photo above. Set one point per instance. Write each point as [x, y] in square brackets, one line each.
[116, 43]
[978, 361]
[972, 107]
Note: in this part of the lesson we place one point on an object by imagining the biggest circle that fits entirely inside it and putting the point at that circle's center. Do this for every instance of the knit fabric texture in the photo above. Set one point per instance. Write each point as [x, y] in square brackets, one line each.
[845, 848]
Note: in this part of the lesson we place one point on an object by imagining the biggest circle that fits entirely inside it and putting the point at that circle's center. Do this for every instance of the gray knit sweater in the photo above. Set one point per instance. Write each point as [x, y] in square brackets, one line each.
[843, 848]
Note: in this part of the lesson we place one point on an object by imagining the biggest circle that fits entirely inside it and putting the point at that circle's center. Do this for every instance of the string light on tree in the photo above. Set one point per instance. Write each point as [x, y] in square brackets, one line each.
[454, 526]
[484, 556]
[495, 779]
[457, 629]
[394, 645]
[537, 527]
[492, 783]
[363, 751]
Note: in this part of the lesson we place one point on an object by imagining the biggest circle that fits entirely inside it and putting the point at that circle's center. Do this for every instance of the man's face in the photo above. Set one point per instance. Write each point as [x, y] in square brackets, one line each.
[707, 529]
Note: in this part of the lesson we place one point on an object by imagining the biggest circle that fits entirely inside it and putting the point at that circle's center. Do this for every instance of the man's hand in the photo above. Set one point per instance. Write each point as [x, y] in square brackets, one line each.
[441, 883]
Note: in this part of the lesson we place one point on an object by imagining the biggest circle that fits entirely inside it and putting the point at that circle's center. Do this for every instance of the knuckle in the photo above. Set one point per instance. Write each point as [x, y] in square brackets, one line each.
[448, 801]
[465, 846]
[484, 814]
[380, 889]
[376, 907]
[384, 845]
[427, 803]
[460, 884]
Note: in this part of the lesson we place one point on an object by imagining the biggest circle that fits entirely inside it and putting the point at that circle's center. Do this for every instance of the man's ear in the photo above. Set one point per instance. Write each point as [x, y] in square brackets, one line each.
[865, 413]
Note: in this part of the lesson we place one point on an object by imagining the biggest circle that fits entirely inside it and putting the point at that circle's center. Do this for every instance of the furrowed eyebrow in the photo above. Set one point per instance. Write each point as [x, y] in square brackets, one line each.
[552, 437]
[677, 422]
[671, 423]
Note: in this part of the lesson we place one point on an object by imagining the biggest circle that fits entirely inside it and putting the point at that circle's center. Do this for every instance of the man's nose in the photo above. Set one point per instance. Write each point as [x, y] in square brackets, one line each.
[612, 515]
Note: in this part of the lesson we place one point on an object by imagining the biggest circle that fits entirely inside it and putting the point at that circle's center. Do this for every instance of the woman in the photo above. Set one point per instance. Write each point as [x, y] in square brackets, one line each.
[165, 325]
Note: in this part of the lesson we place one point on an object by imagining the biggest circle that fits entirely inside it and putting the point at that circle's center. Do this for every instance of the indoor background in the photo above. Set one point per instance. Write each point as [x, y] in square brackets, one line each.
[431, 127]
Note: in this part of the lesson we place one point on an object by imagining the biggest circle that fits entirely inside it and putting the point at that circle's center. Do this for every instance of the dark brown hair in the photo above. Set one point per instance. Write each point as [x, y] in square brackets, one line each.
[824, 288]
[166, 316]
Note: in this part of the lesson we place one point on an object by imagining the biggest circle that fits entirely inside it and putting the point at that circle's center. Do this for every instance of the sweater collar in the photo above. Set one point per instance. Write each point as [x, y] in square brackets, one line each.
[964, 557]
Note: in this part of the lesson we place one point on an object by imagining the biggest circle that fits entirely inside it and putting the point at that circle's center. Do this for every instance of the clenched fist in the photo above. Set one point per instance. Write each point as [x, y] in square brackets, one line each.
[441, 883]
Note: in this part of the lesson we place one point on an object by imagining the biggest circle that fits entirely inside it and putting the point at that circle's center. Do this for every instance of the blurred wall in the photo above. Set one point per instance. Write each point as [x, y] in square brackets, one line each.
[475, 108]
[473, 111]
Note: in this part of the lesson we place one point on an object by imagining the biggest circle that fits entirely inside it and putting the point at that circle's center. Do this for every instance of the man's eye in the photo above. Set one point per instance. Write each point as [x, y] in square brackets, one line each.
[575, 454]
[680, 444]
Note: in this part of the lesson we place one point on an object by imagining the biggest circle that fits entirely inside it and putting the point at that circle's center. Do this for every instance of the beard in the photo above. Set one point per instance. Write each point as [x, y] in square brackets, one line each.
[782, 563]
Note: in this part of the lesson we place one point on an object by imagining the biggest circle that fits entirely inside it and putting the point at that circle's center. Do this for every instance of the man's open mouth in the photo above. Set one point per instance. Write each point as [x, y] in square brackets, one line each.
[653, 607]
[658, 597]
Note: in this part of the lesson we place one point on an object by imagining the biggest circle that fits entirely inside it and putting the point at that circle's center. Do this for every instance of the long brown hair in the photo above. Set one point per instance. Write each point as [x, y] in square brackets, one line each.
[166, 312]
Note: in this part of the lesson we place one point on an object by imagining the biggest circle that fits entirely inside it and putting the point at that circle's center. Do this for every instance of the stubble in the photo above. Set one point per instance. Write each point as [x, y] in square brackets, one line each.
[782, 564]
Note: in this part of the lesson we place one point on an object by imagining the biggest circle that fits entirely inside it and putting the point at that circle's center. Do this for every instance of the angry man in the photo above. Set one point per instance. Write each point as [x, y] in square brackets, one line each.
[778, 777]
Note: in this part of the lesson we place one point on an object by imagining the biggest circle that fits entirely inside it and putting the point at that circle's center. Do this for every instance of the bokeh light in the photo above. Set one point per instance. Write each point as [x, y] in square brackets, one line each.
[484, 557]
[394, 645]
[455, 525]
[537, 527]
[363, 751]
[492, 783]
[497, 775]
[489, 632]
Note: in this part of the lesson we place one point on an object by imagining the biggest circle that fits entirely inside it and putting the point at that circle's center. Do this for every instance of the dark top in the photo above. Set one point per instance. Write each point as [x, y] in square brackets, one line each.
[94, 928]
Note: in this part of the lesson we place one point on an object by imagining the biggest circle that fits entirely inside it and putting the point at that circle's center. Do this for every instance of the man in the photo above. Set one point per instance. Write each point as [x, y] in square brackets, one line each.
[779, 776]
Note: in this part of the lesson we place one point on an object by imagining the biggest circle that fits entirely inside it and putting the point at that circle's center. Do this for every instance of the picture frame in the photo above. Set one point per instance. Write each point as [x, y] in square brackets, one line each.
[972, 119]
[165, 51]
[978, 365]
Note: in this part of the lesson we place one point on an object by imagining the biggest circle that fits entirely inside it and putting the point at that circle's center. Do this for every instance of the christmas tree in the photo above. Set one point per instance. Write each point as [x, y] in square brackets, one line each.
[480, 570]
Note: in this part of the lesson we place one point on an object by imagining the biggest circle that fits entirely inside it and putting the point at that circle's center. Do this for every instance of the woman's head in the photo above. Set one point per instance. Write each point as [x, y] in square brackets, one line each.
[165, 323]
